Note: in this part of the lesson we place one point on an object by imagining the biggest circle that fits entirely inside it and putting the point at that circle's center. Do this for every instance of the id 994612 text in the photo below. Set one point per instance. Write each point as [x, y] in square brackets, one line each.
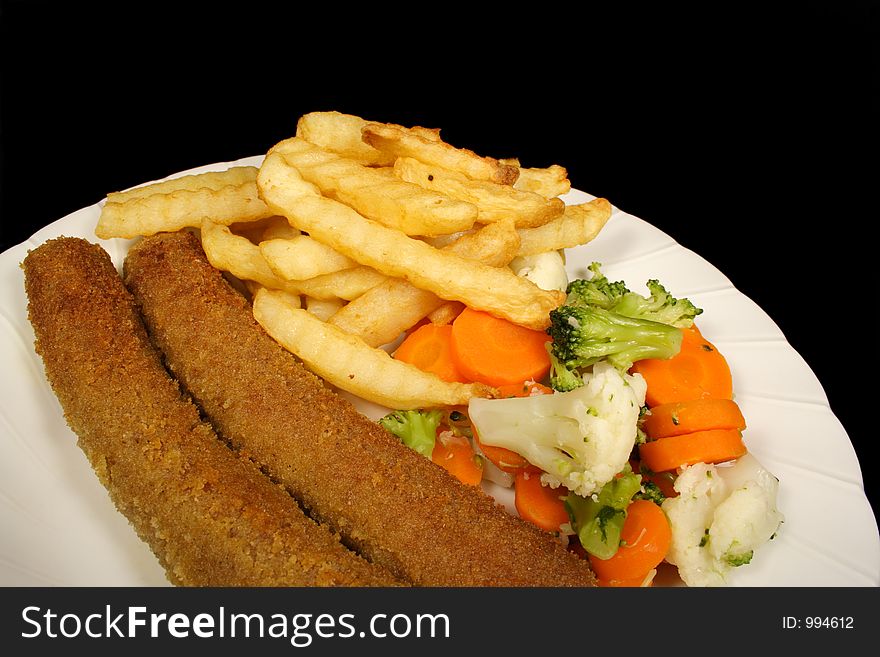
[818, 623]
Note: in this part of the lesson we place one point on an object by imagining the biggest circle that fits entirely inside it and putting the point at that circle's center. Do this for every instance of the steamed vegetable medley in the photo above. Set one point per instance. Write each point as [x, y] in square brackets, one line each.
[616, 428]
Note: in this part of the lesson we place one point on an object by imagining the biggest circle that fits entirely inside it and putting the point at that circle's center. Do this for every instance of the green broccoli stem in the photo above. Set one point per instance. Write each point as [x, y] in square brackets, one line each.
[562, 379]
[598, 522]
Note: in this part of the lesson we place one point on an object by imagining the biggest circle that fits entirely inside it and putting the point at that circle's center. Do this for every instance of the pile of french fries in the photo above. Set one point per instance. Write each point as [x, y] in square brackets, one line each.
[352, 232]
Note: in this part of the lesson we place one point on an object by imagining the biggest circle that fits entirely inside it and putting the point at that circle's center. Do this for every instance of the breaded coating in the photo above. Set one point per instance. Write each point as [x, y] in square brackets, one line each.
[389, 503]
[210, 516]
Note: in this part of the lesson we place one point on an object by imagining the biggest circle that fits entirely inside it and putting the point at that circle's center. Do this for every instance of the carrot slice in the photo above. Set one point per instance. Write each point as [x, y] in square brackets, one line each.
[524, 389]
[645, 540]
[456, 455]
[508, 460]
[677, 418]
[497, 352]
[697, 371]
[713, 446]
[541, 505]
[429, 349]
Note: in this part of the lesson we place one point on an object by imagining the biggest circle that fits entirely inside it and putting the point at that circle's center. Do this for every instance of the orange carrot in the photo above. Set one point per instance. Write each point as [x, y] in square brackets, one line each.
[429, 349]
[496, 352]
[508, 460]
[712, 446]
[524, 389]
[455, 454]
[677, 418]
[539, 504]
[697, 371]
[645, 540]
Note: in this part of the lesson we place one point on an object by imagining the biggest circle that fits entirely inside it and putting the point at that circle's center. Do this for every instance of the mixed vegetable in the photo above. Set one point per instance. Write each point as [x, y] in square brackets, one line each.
[616, 428]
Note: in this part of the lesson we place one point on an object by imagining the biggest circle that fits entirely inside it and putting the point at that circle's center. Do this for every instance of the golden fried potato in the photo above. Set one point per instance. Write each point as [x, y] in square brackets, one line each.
[548, 182]
[496, 290]
[578, 225]
[224, 197]
[341, 133]
[253, 230]
[382, 313]
[193, 182]
[495, 202]
[278, 228]
[345, 284]
[240, 257]
[323, 309]
[376, 194]
[244, 260]
[446, 313]
[302, 256]
[398, 142]
[350, 364]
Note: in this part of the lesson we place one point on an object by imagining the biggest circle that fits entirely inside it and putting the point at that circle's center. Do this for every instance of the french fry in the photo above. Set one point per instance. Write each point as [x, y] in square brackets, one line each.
[548, 182]
[350, 364]
[377, 195]
[278, 228]
[578, 225]
[239, 256]
[399, 142]
[323, 309]
[341, 133]
[193, 182]
[381, 314]
[253, 230]
[345, 284]
[301, 257]
[289, 298]
[446, 313]
[244, 260]
[495, 290]
[495, 202]
[439, 241]
[223, 197]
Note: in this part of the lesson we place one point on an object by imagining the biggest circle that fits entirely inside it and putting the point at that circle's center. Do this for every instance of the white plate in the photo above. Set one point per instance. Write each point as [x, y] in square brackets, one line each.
[60, 528]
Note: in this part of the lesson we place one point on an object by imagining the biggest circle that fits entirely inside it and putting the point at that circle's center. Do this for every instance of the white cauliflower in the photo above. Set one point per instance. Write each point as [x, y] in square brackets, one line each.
[546, 270]
[721, 516]
[580, 438]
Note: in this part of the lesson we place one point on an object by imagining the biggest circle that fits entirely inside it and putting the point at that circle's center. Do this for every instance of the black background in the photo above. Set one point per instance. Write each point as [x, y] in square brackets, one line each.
[749, 136]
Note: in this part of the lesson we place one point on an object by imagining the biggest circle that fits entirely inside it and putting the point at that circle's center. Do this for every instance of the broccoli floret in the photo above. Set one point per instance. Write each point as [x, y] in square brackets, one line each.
[416, 429]
[562, 379]
[604, 319]
[597, 291]
[659, 307]
[598, 520]
[583, 336]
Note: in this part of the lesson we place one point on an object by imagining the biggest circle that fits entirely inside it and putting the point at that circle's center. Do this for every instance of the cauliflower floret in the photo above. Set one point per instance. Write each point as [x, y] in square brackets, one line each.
[721, 516]
[546, 270]
[580, 438]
